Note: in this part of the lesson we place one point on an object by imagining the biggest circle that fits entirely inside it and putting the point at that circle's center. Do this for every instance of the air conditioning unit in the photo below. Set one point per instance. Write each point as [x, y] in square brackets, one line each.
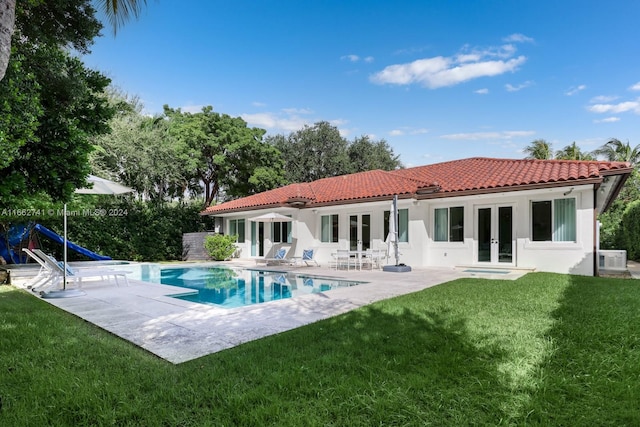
[613, 259]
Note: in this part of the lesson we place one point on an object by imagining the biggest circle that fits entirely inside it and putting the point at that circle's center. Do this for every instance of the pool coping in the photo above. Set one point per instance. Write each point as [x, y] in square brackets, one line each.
[179, 331]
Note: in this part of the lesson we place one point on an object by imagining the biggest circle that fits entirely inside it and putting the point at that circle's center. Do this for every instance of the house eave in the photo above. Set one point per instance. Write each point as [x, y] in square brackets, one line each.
[503, 189]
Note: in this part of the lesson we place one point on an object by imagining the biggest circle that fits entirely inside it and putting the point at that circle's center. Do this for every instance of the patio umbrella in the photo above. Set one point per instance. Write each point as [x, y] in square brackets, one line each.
[271, 217]
[100, 186]
[392, 237]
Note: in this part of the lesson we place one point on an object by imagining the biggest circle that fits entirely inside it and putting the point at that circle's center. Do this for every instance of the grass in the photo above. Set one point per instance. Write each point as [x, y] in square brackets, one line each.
[543, 350]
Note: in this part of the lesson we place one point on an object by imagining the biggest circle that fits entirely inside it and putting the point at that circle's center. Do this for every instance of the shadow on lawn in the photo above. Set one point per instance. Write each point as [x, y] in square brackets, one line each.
[593, 376]
[375, 367]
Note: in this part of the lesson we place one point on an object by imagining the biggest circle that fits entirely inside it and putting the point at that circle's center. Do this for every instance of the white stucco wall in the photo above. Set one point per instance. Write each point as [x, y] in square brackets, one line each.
[561, 257]
[422, 251]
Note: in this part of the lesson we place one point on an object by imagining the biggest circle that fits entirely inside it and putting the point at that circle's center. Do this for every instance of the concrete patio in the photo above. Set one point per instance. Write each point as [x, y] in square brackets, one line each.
[179, 331]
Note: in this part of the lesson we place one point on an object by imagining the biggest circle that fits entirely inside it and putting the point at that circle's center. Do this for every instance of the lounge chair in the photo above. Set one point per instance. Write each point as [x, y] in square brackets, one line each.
[78, 274]
[279, 258]
[45, 278]
[308, 257]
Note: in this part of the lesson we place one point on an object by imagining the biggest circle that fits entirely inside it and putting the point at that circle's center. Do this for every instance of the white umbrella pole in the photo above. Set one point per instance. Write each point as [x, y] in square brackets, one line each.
[395, 220]
[64, 249]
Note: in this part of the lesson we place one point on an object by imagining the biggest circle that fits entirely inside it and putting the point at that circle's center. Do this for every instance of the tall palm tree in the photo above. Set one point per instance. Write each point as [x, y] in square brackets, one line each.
[539, 149]
[573, 152]
[120, 11]
[616, 151]
[117, 11]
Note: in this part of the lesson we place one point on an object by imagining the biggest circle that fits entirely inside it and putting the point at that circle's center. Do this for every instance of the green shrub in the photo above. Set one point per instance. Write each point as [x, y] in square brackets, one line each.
[220, 247]
[128, 229]
[630, 227]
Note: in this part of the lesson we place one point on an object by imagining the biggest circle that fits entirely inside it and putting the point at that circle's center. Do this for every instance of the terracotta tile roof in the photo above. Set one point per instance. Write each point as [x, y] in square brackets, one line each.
[467, 175]
[486, 173]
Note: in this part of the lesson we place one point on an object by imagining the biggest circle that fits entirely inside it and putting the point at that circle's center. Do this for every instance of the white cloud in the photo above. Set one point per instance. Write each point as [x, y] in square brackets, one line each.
[352, 58]
[290, 120]
[338, 122]
[441, 71]
[602, 99]
[287, 119]
[608, 120]
[192, 108]
[258, 104]
[518, 38]
[482, 91]
[419, 131]
[635, 86]
[475, 136]
[297, 110]
[512, 88]
[575, 89]
[356, 58]
[264, 120]
[275, 121]
[621, 107]
[344, 132]
[408, 131]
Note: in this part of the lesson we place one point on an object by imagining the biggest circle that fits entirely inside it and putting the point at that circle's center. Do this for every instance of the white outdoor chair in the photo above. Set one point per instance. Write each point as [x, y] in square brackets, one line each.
[78, 274]
[342, 258]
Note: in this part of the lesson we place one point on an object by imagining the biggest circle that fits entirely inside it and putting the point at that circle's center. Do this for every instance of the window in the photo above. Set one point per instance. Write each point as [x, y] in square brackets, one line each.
[329, 228]
[281, 232]
[553, 220]
[403, 225]
[448, 224]
[236, 228]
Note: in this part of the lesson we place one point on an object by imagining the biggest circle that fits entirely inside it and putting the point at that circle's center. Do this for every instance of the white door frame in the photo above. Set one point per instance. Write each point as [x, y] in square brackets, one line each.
[360, 229]
[496, 248]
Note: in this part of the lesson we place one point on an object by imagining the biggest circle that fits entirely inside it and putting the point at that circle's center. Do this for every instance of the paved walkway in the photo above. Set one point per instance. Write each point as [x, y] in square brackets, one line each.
[178, 330]
[634, 269]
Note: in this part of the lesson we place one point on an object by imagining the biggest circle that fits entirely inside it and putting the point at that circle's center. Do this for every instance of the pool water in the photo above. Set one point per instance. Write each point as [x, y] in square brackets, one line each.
[231, 288]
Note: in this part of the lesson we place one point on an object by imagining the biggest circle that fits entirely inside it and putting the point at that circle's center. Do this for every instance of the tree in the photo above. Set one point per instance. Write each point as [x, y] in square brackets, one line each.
[630, 229]
[55, 101]
[616, 151]
[142, 154]
[614, 230]
[7, 23]
[312, 153]
[223, 153]
[117, 11]
[365, 155]
[573, 152]
[539, 149]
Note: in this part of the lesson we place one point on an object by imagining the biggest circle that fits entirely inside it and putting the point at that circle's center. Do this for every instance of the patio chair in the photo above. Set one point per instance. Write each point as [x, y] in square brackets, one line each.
[278, 258]
[308, 256]
[373, 258]
[46, 276]
[342, 258]
[78, 274]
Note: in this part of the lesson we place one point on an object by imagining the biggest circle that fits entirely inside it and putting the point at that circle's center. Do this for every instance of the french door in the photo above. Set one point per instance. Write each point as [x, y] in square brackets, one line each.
[257, 238]
[360, 231]
[494, 234]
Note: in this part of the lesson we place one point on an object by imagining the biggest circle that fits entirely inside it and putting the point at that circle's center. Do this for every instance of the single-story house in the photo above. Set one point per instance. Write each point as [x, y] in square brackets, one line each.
[484, 212]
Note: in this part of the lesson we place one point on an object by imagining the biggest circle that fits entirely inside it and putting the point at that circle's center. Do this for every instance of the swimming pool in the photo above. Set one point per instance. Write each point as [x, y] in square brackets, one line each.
[231, 288]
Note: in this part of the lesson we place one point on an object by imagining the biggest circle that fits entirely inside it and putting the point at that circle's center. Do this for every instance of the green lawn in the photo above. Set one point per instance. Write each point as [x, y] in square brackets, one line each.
[543, 350]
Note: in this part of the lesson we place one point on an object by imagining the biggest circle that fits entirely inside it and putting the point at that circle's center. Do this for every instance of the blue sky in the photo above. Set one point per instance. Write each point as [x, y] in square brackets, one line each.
[438, 80]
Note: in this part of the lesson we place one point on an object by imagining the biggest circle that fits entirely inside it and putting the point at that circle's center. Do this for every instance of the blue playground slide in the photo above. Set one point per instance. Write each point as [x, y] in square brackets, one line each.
[19, 233]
